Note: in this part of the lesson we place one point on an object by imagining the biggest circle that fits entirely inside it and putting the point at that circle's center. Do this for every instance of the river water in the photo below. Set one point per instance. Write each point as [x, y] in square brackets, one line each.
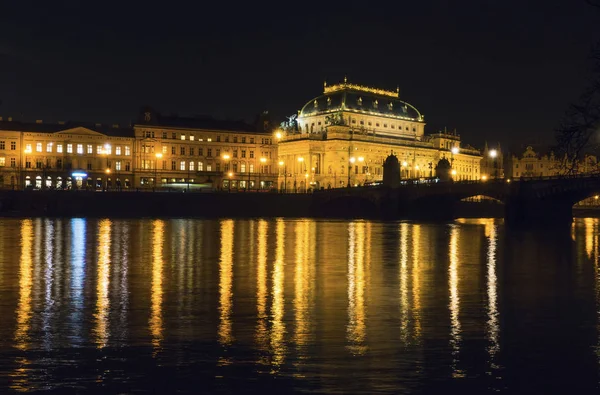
[222, 306]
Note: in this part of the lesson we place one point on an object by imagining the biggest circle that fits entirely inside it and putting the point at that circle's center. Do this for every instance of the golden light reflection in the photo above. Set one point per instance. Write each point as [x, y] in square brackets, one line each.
[278, 307]
[156, 321]
[493, 327]
[416, 278]
[403, 281]
[20, 376]
[301, 284]
[356, 288]
[25, 284]
[49, 274]
[262, 335]
[225, 284]
[102, 300]
[590, 224]
[455, 330]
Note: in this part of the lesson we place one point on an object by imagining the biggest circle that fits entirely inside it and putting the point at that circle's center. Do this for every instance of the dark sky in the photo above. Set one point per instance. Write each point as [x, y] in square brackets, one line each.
[494, 70]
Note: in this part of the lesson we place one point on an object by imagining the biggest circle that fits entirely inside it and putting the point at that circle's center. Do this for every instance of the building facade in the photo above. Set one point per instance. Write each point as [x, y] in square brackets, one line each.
[196, 153]
[65, 155]
[343, 137]
[532, 164]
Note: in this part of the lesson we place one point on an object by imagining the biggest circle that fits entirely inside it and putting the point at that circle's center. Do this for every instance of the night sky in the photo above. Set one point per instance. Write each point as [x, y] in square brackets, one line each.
[494, 70]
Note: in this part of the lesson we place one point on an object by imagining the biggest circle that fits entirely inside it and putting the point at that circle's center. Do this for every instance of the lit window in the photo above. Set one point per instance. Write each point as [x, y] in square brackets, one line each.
[200, 166]
[191, 137]
[208, 167]
[243, 168]
[209, 139]
[164, 149]
[38, 147]
[49, 147]
[182, 165]
[118, 165]
[2, 161]
[183, 136]
[251, 167]
[90, 149]
[69, 148]
[80, 148]
[191, 166]
[127, 150]
[59, 148]
[118, 150]
[107, 149]
[99, 149]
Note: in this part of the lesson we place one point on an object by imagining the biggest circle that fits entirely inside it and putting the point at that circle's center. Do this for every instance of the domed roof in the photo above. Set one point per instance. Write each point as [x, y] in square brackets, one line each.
[361, 99]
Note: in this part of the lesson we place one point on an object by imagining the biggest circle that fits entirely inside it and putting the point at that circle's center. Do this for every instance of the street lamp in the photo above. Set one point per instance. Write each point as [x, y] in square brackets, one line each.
[107, 171]
[27, 151]
[226, 158]
[282, 163]
[493, 154]
[263, 160]
[158, 157]
[230, 174]
[301, 160]
[453, 172]
[351, 160]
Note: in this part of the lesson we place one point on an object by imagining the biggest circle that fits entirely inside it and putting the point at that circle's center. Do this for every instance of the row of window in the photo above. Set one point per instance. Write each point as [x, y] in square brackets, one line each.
[39, 164]
[191, 137]
[13, 145]
[89, 148]
[191, 151]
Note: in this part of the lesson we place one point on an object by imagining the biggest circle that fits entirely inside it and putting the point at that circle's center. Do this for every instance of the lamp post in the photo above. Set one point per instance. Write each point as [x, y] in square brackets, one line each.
[263, 160]
[351, 160]
[453, 151]
[27, 151]
[282, 164]
[301, 160]
[226, 158]
[107, 171]
[361, 161]
[404, 166]
[158, 157]
[230, 174]
[493, 154]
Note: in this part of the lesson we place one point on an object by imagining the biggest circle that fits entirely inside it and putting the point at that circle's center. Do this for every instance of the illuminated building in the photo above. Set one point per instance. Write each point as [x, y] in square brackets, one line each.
[65, 155]
[202, 153]
[532, 164]
[343, 137]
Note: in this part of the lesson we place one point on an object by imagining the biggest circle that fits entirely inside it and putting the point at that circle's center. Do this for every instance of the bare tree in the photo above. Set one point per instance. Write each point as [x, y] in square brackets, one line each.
[579, 131]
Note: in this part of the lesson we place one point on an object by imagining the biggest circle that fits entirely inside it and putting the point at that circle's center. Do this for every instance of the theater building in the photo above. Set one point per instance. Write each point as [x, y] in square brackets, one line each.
[343, 136]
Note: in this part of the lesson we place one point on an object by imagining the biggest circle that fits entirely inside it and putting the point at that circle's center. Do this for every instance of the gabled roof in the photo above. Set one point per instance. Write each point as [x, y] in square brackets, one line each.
[67, 127]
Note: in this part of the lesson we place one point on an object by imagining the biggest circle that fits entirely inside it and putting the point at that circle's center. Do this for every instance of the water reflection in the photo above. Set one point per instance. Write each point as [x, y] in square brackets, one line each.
[103, 278]
[356, 288]
[225, 283]
[156, 319]
[262, 335]
[455, 327]
[20, 376]
[493, 327]
[278, 308]
[388, 305]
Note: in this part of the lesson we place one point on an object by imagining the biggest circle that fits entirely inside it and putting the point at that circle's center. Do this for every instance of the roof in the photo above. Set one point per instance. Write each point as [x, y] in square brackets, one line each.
[361, 99]
[46, 127]
[150, 117]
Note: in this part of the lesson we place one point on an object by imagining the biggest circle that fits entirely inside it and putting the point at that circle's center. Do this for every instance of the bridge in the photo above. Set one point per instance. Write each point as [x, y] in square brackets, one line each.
[539, 201]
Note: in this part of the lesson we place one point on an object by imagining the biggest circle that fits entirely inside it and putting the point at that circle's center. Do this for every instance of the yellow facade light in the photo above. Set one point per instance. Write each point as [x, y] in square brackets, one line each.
[281, 163]
[159, 155]
[226, 156]
[483, 178]
[263, 160]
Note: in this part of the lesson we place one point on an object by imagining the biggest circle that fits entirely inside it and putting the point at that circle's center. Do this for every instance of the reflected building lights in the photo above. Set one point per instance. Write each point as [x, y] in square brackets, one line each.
[589, 224]
[278, 308]
[356, 288]
[48, 282]
[103, 278]
[301, 284]
[403, 281]
[20, 376]
[78, 232]
[492, 293]
[455, 330]
[416, 278]
[225, 285]
[262, 336]
[156, 320]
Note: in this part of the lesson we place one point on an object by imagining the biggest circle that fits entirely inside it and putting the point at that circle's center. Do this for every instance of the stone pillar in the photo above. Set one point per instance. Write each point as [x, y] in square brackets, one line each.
[391, 172]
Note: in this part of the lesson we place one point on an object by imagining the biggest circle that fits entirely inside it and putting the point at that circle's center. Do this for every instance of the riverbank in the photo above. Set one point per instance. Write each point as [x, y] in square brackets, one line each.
[201, 205]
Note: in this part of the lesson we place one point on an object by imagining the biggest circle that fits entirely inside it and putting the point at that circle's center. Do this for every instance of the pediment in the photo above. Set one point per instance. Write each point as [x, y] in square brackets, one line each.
[80, 130]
